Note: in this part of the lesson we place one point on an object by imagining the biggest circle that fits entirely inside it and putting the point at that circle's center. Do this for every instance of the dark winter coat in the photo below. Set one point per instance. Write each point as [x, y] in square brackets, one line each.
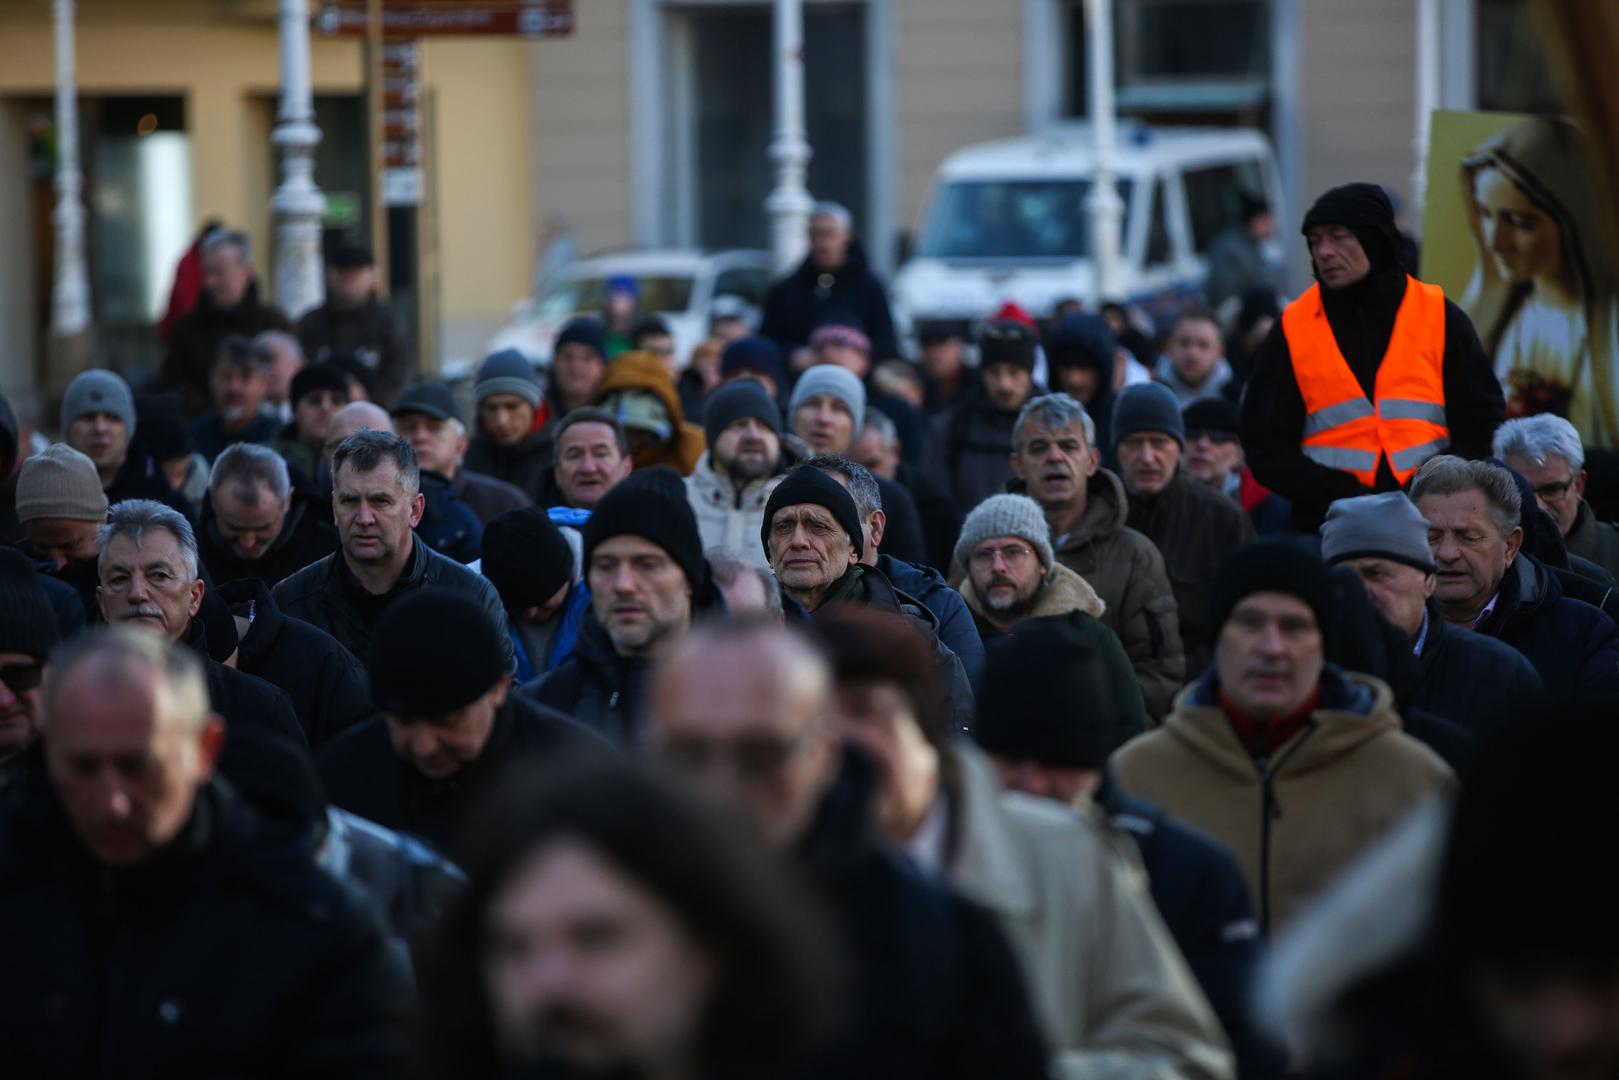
[941, 519]
[304, 539]
[10, 465]
[956, 626]
[1199, 891]
[362, 774]
[325, 682]
[526, 464]
[197, 334]
[1193, 526]
[448, 525]
[1473, 680]
[327, 595]
[228, 953]
[140, 478]
[1595, 540]
[1127, 571]
[600, 689]
[936, 990]
[1362, 320]
[209, 437]
[969, 451]
[902, 536]
[245, 701]
[1573, 646]
[375, 337]
[488, 497]
[809, 297]
[81, 578]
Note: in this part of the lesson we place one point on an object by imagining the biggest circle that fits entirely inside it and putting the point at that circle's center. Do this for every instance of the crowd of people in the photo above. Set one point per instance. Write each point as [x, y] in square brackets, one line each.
[1226, 698]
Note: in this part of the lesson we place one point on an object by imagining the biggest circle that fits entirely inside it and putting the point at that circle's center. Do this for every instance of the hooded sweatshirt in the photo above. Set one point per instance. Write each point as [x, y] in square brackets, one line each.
[648, 372]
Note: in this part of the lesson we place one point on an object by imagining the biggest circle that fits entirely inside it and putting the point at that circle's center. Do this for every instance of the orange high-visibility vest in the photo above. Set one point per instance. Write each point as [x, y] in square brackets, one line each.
[1342, 428]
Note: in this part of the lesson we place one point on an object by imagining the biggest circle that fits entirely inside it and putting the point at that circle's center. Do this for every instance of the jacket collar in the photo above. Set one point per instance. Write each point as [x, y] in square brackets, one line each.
[985, 864]
[410, 577]
[1105, 510]
[1063, 593]
[719, 490]
[1526, 587]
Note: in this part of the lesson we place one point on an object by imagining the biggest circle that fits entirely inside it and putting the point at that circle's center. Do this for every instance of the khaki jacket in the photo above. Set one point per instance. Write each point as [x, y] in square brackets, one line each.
[1114, 996]
[1293, 822]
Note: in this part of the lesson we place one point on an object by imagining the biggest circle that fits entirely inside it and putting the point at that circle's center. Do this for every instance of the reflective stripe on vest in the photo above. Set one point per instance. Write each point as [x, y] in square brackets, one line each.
[1342, 428]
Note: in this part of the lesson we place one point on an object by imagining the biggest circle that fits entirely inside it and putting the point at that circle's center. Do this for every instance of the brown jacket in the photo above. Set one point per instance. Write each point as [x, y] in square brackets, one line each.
[647, 371]
[1294, 822]
[1128, 574]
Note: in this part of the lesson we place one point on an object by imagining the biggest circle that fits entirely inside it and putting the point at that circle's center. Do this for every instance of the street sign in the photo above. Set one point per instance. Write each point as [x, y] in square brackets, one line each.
[433, 18]
[401, 125]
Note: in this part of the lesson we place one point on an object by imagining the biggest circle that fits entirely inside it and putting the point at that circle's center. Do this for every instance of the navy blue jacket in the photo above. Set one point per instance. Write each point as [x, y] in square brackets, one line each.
[808, 297]
[449, 525]
[956, 627]
[1200, 893]
[1572, 644]
[1473, 680]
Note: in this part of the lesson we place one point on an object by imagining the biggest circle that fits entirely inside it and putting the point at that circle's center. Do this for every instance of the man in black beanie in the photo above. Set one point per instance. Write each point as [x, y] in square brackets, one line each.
[744, 462]
[450, 720]
[1339, 404]
[531, 565]
[1049, 713]
[644, 565]
[1294, 765]
[27, 636]
[967, 445]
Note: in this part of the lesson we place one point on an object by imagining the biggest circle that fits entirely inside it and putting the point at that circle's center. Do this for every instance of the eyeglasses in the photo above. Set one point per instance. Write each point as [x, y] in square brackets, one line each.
[1013, 555]
[753, 758]
[21, 678]
[1553, 492]
[1218, 438]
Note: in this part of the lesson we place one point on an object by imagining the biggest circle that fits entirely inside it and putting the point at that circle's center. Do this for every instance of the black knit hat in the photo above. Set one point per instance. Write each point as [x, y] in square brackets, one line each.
[807, 484]
[1365, 210]
[1045, 695]
[1275, 564]
[1082, 340]
[651, 504]
[738, 401]
[315, 377]
[434, 651]
[1006, 341]
[1147, 407]
[27, 620]
[526, 556]
[752, 355]
[1212, 414]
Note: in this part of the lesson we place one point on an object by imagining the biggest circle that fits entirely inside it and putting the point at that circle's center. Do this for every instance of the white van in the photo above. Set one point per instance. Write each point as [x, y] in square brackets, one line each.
[1008, 220]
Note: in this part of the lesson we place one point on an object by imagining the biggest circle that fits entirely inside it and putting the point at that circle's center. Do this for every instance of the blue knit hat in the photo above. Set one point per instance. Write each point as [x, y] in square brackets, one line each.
[753, 355]
[582, 331]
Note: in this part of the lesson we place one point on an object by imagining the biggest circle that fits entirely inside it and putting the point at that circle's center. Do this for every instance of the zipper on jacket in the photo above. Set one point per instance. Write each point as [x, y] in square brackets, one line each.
[1270, 808]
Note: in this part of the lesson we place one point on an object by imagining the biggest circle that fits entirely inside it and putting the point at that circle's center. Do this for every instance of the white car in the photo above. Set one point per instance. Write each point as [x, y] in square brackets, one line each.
[1008, 220]
[679, 286]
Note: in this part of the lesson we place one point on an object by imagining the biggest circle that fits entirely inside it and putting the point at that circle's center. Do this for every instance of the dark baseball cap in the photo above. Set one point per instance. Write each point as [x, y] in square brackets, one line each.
[431, 398]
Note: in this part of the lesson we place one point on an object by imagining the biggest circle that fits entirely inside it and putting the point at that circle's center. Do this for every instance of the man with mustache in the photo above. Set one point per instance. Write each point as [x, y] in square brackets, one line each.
[743, 464]
[1192, 524]
[592, 454]
[1292, 764]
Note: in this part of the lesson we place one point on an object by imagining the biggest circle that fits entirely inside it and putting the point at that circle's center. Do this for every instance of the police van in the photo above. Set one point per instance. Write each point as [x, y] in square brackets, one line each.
[1009, 220]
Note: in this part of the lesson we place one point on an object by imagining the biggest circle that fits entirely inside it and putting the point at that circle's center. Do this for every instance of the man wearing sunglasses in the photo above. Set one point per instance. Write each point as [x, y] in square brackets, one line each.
[1214, 456]
[27, 635]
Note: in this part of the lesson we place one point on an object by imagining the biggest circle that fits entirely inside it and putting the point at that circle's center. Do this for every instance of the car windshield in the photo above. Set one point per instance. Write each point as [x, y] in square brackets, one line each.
[589, 295]
[1013, 219]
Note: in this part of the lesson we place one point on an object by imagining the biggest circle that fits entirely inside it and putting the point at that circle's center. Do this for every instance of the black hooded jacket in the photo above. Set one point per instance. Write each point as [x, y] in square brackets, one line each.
[140, 478]
[1573, 645]
[243, 700]
[1362, 320]
[936, 989]
[596, 686]
[304, 538]
[810, 297]
[197, 334]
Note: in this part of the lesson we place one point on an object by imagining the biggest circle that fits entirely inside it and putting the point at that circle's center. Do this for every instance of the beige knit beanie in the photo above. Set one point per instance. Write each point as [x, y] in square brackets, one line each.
[60, 482]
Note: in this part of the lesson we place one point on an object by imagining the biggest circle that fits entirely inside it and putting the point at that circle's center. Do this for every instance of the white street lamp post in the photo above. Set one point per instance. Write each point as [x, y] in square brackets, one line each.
[788, 204]
[70, 292]
[1106, 208]
[297, 204]
[1428, 72]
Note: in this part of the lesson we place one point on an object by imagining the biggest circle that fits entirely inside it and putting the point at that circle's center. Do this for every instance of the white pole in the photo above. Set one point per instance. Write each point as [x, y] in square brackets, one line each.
[297, 204]
[1428, 79]
[789, 202]
[1106, 208]
[70, 293]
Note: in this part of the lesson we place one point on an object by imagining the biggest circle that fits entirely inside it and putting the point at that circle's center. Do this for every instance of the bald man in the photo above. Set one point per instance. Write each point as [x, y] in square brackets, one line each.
[745, 709]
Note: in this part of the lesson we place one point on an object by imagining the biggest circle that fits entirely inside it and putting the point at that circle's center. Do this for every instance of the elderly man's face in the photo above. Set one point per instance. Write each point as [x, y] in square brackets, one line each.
[439, 443]
[640, 595]
[126, 766]
[829, 241]
[809, 551]
[580, 962]
[1339, 259]
[101, 437]
[148, 584]
[248, 518]
[589, 464]
[1055, 464]
[20, 700]
[442, 744]
[1558, 488]
[1147, 461]
[1007, 575]
[226, 275]
[1269, 654]
[1469, 550]
[868, 450]
[824, 422]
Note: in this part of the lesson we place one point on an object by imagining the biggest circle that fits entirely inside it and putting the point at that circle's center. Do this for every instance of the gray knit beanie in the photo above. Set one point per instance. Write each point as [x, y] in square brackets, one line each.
[507, 372]
[98, 391]
[60, 482]
[1007, 515]
[1385, 526]
[839, 382]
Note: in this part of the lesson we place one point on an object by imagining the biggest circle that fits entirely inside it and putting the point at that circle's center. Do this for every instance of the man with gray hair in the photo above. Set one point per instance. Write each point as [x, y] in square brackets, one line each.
[253, 525]
[1485, 583]
[228, 304]
[429, 418]
[834, 283]
[237, 385]
[132, 868]
[1055, 458]
[1547, 450]
[151, 580]
[377, 501]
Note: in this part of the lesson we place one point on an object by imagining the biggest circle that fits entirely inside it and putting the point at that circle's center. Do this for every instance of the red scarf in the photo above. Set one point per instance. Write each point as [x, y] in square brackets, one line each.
[1263, 737]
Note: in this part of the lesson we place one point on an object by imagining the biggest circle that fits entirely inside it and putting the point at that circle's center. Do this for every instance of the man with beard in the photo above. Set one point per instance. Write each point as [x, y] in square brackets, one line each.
[739, 470]
[237, 385]
[1013, 577]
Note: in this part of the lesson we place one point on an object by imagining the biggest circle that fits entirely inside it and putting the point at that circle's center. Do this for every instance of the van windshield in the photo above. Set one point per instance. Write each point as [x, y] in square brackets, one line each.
[1013, 219]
